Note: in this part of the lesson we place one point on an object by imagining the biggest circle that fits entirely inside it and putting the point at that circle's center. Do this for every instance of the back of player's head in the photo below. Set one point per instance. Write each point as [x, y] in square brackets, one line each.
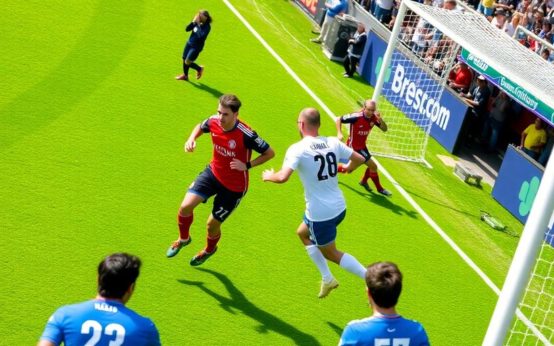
[116, 273]
[230, 101]
[384, 283]
[311, 117]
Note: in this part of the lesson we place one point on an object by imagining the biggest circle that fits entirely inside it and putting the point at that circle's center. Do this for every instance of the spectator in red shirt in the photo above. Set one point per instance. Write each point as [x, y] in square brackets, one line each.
[460, 77]
[226, 177]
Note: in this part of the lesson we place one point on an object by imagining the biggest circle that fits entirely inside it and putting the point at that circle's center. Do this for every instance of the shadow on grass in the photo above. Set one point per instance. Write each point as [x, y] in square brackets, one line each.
[216, 93]
[385, 202]
[442, 205]
[238, 302]
[335, 328]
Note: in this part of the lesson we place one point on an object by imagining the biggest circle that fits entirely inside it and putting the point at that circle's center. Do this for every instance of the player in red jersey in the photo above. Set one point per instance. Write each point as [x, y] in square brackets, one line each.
[361, 124]
[226, 177]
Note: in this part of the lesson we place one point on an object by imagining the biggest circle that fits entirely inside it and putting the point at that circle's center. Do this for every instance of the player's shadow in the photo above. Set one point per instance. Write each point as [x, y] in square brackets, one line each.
[385, 202]
[334, 327]
[237, 301]
[216, 93]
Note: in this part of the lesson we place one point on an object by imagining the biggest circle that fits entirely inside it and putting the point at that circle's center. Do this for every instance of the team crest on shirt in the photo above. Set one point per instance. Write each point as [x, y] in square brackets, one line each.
[232, 144]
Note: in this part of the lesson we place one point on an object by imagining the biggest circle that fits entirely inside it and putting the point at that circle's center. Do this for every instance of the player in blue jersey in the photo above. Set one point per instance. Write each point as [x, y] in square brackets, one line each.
[385, 327]
[104, 320]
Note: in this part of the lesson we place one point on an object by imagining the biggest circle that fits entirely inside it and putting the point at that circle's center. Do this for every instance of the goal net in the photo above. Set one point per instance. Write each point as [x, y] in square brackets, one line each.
[529, 80]
[534, 324]
[414, 81]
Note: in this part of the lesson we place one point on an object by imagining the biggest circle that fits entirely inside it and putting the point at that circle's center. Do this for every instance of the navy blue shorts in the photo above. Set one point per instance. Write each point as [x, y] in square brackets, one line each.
[191, 53]
[324, 232]
[206, 185]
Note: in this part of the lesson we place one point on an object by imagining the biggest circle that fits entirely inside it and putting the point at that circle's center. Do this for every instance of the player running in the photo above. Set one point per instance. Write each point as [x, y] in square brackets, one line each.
[226, 177]
[361, 124]
[316, 159]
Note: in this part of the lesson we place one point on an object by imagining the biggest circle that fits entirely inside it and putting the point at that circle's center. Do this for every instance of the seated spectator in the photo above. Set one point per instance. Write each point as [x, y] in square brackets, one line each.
[499, 19]
[506, 5]
[460, 77]
[545, 54]
[522, 6]
[533, 139]
[511, 26]
[355, 49]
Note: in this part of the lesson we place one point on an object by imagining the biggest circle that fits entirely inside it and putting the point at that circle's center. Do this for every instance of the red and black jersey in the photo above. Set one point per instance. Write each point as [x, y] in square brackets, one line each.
[360, 127]
[237, 143]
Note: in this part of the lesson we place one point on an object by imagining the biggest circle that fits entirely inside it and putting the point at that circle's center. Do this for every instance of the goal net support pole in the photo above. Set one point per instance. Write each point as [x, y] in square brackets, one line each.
[522, 264]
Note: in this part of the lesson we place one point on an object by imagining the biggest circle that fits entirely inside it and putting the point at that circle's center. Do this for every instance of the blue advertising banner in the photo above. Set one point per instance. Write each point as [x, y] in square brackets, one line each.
[517, 185]
[403, 80]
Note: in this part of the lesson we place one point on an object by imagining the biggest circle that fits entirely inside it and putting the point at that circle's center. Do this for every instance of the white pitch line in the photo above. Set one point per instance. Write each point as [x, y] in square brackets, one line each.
[403, 192]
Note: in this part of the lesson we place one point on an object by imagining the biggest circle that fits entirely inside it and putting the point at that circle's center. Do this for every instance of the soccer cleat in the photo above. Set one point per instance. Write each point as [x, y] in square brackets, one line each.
[200, 72]
[315, 40]
[176, 247]
[182, 77]
[365, 186]
[346, 75]
[385, 192]
[201, 257]
[326, 288]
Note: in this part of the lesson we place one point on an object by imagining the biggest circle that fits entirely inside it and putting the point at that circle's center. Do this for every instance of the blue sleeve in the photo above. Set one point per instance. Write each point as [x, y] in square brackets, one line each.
[54, 328]
[155, 336]
[421, 338]
[348, 337]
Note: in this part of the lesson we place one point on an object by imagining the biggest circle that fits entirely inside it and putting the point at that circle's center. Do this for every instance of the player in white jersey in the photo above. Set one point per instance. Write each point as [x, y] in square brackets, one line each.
[316, 159]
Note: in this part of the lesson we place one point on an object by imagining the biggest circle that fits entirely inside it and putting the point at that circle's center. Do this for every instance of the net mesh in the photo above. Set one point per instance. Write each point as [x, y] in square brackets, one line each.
[410, 99]
[535, 324]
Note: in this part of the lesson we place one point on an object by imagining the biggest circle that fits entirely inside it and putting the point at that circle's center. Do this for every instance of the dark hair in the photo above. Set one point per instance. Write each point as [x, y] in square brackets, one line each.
[384, 283]
[311, 116]
[206, 14]
[230, 101]
[116, 273]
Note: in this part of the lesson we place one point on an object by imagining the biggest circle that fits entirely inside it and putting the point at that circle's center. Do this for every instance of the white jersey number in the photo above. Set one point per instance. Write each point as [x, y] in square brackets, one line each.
[395, 342]
[95, 328]
[330, 160]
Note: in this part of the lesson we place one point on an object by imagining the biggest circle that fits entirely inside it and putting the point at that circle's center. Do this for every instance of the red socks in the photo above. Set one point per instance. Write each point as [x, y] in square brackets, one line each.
[184, 225]
[375, 178]
[366, 176]
[212, 242]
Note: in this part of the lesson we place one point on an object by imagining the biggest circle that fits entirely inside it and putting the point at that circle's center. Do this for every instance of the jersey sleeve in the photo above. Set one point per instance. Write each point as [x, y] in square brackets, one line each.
[348, 337]
[421, 338]
[53, 331]
[254, 142]
[205, 125]
[349, 118]
[344, 151]
[292, 157]
[154, 335]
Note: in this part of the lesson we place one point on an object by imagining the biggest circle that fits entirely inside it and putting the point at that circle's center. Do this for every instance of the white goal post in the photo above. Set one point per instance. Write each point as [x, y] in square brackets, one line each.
[528, 79]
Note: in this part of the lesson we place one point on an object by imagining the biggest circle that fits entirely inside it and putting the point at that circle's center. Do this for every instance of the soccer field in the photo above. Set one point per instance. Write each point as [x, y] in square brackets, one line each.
[92, 132]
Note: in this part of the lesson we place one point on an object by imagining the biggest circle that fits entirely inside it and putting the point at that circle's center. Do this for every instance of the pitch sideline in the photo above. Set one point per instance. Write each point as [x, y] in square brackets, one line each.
[403, 192]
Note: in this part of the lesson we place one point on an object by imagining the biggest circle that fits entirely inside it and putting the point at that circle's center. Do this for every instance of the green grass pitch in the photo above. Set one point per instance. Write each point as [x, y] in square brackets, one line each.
[92, 132]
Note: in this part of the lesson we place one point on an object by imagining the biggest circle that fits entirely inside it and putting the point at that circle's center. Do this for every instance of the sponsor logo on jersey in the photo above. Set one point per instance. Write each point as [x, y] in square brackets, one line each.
[391, 330]
[232, 144]
[224, 151]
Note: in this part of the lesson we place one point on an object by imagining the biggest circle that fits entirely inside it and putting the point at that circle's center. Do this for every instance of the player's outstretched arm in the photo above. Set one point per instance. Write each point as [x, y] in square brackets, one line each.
[382, 124]
[190, 144]
[338, 124]
[356, 160]
[277, 177]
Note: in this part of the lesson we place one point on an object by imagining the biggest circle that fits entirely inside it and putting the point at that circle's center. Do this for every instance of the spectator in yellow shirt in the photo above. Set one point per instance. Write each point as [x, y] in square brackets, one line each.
[533, 139]
[486, 7]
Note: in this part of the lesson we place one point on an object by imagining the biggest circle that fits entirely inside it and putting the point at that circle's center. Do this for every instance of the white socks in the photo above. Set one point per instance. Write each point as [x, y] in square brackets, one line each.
[351, 264]
[320, 262]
